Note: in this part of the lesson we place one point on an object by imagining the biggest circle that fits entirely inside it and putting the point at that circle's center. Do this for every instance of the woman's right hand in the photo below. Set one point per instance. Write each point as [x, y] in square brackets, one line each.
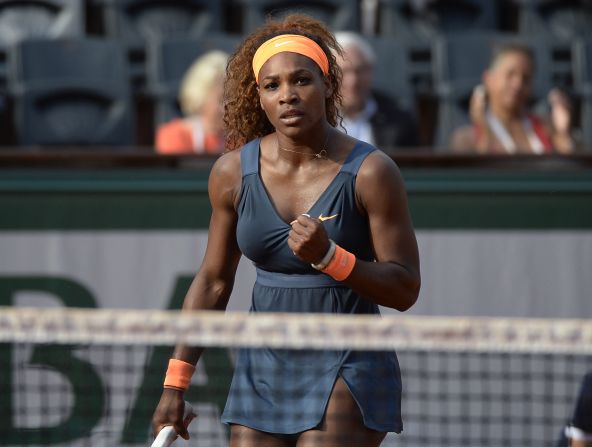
[169, 411]
[478, 106]
[561, 115]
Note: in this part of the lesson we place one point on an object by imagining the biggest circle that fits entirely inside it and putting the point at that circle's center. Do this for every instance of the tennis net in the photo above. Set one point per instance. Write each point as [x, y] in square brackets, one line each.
[92, 377]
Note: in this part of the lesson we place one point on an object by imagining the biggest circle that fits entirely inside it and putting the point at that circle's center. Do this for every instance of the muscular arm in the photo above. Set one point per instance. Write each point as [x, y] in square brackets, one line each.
[213, 283]
[394, 280]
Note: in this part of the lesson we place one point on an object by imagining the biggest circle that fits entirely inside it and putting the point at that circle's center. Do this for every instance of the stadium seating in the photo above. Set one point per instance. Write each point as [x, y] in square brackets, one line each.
[582, 68]
[397, 72]
[564, 19]
[403, 18]
[338, 14]
[423, 61]
[136, 21]
[167, 62]
[43, 18]
[71, 92]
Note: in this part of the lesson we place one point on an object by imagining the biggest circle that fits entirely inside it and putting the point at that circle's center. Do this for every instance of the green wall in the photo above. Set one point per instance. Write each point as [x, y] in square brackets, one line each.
[176, 198]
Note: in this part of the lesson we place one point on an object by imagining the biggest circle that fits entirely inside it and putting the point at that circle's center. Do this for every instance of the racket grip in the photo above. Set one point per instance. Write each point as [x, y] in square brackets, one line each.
[168, 435]
[165, 437]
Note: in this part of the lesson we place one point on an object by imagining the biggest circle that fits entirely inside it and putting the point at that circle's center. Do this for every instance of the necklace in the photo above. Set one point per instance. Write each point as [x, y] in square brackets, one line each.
[320, 154]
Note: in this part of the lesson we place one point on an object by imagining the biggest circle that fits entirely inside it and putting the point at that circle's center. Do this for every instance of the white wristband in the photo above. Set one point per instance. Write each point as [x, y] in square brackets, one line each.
[327, 258]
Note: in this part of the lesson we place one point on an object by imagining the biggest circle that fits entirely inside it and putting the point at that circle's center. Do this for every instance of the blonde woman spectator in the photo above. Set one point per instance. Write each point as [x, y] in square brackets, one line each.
[200, 97]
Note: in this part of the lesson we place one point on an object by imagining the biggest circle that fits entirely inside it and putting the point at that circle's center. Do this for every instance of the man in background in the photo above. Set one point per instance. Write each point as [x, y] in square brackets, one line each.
[369, 115]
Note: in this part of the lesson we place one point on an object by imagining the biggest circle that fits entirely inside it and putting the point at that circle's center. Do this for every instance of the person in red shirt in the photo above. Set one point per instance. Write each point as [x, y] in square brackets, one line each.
[201, 130]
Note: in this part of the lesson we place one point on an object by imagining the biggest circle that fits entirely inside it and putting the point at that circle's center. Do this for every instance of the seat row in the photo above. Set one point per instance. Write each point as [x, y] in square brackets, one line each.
[83, 91]
[133, 20]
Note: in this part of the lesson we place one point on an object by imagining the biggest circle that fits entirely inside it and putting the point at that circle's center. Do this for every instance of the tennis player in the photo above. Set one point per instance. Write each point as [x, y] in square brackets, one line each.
[324, 218]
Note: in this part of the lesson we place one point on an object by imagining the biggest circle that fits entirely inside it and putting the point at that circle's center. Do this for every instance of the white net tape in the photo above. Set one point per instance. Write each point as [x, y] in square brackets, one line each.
[311, 331]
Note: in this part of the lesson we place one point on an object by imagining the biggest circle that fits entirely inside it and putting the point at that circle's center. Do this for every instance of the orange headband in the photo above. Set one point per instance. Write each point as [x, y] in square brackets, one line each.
[294, 43]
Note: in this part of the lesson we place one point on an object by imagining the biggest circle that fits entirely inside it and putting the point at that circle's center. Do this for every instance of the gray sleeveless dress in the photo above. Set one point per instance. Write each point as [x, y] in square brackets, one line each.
[286, 391]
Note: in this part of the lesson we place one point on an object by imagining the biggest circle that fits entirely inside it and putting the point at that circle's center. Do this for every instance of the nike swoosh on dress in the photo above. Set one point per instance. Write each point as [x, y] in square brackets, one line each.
[324, 218]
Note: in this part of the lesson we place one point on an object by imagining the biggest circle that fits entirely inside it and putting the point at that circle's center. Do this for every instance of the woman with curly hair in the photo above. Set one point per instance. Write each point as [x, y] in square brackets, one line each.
[324, 218]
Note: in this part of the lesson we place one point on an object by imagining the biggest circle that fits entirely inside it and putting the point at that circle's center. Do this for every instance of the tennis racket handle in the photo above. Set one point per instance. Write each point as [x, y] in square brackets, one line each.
[167, 435]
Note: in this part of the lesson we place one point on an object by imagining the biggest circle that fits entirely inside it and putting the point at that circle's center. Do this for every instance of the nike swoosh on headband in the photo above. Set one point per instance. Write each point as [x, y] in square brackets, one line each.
[279, 44]
[324, 218]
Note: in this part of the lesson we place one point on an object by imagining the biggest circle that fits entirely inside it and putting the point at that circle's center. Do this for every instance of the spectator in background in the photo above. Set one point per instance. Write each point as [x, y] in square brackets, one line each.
[369, 115]
[499, 113]
[201, 130]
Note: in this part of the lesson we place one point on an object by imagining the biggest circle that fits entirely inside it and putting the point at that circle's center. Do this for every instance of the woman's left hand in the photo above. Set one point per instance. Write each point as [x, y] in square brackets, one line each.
[560, 111]
[308, 239]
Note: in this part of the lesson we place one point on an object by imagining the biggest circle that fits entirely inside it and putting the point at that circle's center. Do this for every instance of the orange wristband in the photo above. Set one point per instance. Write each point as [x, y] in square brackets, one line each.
[341, 265]
[178, 375]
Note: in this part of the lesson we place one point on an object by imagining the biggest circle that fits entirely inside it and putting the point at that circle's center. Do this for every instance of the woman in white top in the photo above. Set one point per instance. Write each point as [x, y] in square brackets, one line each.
[501, 122]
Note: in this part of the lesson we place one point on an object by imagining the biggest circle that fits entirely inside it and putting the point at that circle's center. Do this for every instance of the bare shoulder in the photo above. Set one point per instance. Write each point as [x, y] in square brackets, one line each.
[228, 164]
[378, 169]
[379, 181]
[225, 178]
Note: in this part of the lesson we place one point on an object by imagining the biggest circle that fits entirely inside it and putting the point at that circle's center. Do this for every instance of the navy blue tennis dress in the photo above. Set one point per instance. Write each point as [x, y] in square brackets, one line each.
[286, 391]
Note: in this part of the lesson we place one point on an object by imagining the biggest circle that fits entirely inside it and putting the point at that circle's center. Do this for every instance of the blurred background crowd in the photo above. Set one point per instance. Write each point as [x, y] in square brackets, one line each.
[470, 76]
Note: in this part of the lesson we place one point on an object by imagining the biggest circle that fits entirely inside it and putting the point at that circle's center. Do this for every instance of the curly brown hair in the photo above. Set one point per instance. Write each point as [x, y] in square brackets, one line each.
[243, 118]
